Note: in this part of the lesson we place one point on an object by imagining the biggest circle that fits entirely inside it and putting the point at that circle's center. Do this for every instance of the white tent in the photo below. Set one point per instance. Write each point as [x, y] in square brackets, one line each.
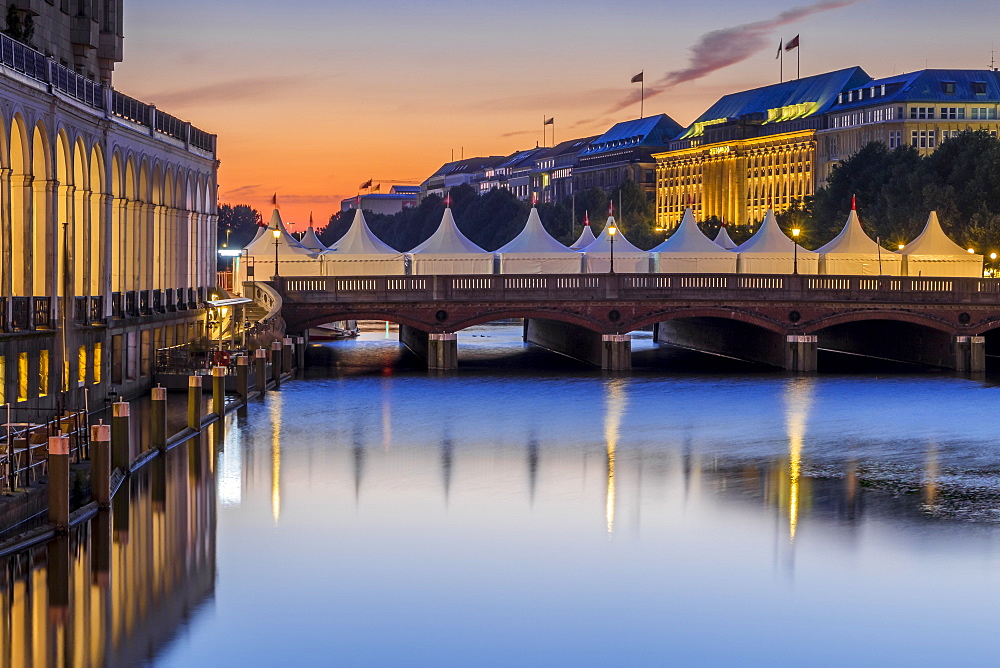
[770, 251]
[360, 253]
[852, 252]
[932, 253]
[293, 258]
[311, 241]
[628, 258]
[689, 251]
[535, 251]
[448, 251]
[586, 237]
[722, 239]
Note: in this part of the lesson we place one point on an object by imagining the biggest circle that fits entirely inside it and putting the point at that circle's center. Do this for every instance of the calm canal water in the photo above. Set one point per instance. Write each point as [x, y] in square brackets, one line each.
[527, 510]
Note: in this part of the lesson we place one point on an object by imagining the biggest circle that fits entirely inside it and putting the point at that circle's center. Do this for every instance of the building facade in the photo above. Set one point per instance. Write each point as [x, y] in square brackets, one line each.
[748, 151]
[108, 234]
[922, 109]
[552, 176]
[84, 36]
[624, 153]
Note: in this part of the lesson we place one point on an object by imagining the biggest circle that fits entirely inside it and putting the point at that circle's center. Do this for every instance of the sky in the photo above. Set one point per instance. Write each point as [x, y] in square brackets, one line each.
[310, 98]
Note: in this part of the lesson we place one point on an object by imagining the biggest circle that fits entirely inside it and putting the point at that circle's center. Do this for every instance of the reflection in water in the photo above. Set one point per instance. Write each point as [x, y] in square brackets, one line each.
[532, 468]
[358, 452]
[276, 404]
[798, 400]
[614, 410]
[114, 590]
[931, 472]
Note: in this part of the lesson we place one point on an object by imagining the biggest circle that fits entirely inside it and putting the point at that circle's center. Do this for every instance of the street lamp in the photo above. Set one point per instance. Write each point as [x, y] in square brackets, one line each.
[277, 235]
[795, 250]
[993, 268]
[612, 231]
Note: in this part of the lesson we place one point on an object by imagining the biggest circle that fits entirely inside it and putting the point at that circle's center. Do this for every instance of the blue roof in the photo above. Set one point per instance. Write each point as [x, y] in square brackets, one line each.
[927, 86]
[649, 131]
[821, 89]
[407, 189]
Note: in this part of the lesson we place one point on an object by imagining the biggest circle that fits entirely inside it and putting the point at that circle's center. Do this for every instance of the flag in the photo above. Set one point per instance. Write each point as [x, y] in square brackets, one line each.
[854, 203]
[447, 201]
[586, 218]
[781, 43]
[611, 208]
[637, 78]
[274, 200]
[310, 219]
[366, 184]
[261, 223]
[793, 43]
[551, 121]
[377, 188]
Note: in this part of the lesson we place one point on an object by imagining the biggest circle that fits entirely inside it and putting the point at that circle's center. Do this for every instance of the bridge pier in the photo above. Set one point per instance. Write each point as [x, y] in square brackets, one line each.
[438, 350]
[612, 352]
[801, 352]
[970, 354]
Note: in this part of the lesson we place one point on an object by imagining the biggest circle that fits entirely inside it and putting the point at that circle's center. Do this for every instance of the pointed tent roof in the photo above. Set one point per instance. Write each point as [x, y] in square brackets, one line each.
[311, 241]
[722, 239]
[852, 239]
[534, 239]
[932, 241]
[688, 238]
[603, 243]
[360, 240]
[447, 238]
[586, 236]
[769, 239]
[263, 243]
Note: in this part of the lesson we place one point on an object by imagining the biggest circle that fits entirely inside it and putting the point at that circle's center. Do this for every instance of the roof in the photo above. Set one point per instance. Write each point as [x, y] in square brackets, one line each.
[924, 86]
[649, 131]
[933, 241]
[722, 239]
[688, 238]
[852, 239]
[413, 190]
[447, 239]
[569, 147]
[818, 93]
[770, 239]
[263, 243]
[585, 239]
[534, 239]
[466, 166]
[603, 242]
[311, 241]
[518, 158]
[359, 240]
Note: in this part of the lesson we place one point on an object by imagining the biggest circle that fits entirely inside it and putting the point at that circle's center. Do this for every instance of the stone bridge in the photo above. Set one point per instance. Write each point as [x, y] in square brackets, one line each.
[780, 320]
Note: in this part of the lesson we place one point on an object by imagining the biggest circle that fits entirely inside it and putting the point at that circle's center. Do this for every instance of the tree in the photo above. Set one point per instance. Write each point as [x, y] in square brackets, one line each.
[237, 224]
[20, 25]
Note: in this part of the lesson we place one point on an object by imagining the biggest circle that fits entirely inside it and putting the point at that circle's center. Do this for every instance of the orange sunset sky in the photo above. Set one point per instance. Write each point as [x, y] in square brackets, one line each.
[311, 98]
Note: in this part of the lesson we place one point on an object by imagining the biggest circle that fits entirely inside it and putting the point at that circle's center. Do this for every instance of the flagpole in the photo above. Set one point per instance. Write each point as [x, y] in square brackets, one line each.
[798, 61]
[642, 95]
[781, 67]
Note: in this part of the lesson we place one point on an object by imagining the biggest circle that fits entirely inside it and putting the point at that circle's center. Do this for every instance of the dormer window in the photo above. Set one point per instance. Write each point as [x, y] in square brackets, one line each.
[979, 88]
[948, 87]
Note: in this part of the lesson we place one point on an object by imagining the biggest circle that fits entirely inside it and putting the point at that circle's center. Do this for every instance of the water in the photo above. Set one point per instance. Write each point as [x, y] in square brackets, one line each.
[531, 511]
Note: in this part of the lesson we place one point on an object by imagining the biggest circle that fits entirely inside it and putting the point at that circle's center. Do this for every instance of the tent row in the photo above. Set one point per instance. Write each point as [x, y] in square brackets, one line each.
[534, 251]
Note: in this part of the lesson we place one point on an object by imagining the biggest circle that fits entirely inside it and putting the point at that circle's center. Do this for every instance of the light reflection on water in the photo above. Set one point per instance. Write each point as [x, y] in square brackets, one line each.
[528, 510]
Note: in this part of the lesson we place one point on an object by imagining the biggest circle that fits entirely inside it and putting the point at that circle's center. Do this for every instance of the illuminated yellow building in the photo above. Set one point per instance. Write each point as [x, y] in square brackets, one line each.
[735, 180]
[749, 150]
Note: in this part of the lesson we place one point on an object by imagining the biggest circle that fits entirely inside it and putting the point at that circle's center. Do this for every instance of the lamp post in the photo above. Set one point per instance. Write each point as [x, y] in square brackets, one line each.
[277, 235]
[993, 260]
[612, 231]
[795, 250]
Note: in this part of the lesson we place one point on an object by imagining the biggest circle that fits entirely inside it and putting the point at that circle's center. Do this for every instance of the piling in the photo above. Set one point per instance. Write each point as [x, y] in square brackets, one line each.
[243, 377]
[21, 480]
[59, 482]
[100, 463]
[219, 390]
[276, 362]
[287, 353]
[158, 420]
[260, 369]
[121, 437]
[194, 402]
[300, 352]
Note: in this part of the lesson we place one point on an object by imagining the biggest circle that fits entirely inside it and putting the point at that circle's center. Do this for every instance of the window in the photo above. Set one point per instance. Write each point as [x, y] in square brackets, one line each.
[81, 366]
[895, 138]
[949, 113]
[979, 88]
[97, 363]
[948, 87]
[914, 138]
[3, 380]
[43, 373]
[921, 113]
[22, 376]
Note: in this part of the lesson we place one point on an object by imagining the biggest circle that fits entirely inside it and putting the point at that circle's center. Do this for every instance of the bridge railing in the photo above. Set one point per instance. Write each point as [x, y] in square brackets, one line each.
[542, 287]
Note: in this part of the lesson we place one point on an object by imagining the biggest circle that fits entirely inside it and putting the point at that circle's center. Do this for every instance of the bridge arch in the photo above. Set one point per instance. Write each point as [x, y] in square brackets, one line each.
[715, 313]
[892, 315]
[891, 334]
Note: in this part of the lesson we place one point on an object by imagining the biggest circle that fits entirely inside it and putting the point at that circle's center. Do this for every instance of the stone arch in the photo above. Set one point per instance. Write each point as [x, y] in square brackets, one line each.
[98, 193]
[718, 313]
[43, 205]
[20, 206]
[817, 325]
[158, 231]
[143, 215]
[82, 229]
[896, 335]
